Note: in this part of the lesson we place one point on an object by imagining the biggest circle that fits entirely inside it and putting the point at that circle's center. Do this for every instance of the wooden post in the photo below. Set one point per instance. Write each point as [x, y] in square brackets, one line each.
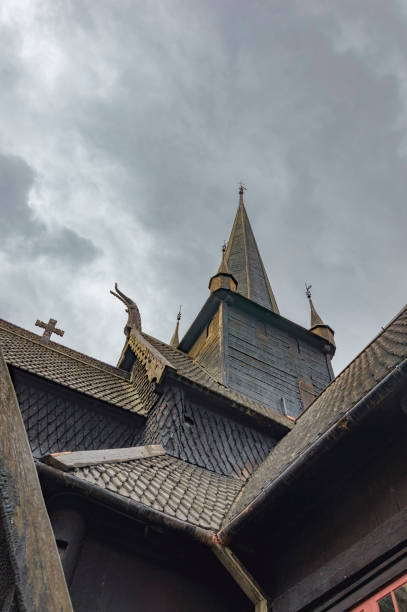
[243, 578]
[39, 583]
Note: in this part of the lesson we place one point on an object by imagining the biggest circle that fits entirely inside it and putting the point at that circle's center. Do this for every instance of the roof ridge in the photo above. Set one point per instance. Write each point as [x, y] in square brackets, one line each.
[63, 350]
[189, 357]
[342, 372]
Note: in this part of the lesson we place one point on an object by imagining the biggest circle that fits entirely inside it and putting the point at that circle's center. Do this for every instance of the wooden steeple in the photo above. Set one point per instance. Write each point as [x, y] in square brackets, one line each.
[244, 261]
[242, 341]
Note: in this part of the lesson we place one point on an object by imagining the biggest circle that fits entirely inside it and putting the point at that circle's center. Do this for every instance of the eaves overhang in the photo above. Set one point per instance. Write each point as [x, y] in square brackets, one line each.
[362, 412]
[259, 416]
[125, 506]
[211, 305]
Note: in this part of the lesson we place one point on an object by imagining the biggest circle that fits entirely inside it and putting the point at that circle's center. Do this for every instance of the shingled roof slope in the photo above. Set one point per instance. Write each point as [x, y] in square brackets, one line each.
[368, 369]
[70, 368]
[244, 261]
[169, 485]
[188, 368]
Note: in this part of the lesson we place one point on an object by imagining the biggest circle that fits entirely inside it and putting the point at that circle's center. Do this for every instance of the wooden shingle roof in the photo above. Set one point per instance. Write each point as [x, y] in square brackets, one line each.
[244, 261]
[69, 368]
[169, 485]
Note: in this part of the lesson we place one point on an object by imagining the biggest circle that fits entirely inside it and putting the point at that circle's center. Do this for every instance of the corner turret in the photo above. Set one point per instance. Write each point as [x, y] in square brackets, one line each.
[317, 326]
[223, 279]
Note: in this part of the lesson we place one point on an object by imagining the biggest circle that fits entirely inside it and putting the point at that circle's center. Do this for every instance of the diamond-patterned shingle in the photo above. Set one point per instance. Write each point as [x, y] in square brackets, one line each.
[57, 421]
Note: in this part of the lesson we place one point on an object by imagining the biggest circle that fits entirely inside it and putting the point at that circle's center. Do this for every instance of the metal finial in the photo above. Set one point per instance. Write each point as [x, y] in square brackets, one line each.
[308, 291]
[179, 315]
[224, 247]
[242, 188]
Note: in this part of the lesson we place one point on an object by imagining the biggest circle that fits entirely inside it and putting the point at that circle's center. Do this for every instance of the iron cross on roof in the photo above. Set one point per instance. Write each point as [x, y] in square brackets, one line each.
[49, 328]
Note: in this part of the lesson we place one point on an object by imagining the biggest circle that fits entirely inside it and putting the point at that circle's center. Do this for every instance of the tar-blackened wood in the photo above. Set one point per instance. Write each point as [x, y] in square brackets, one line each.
[69, 528]
[58, 419]
[124, 564]
[188, 430]
[39, 582]
[338, 522]
[370, 582]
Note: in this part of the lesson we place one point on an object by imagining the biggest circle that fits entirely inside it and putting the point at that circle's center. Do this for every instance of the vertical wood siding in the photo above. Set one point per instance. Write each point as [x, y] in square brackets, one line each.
[267, 364]
[207, 350]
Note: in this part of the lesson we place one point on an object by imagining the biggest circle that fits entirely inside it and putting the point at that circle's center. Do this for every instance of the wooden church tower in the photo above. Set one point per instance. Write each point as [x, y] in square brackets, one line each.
[241, 339]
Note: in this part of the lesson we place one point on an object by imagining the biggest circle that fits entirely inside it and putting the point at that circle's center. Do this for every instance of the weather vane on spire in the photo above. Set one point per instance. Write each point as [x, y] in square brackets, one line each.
[179, 315]
[308, 291]
[242, 188]
[224, 247]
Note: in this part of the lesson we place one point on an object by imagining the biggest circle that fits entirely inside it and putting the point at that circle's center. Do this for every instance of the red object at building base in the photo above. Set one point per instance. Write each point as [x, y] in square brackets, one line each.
[392, 598]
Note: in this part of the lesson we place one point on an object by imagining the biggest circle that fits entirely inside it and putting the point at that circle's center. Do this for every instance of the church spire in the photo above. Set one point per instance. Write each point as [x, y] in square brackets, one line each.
[175, 338]
[244, 262]
[318, 327]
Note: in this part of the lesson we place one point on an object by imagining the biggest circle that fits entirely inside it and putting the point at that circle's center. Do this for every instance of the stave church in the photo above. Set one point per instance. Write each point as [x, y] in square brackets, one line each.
[226, 471]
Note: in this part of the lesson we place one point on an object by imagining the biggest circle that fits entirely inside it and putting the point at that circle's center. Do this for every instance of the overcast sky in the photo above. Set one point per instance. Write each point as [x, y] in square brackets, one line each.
[126, 127]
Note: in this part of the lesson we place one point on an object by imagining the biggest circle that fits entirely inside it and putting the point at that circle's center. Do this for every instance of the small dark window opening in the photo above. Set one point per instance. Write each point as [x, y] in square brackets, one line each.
[189, 421]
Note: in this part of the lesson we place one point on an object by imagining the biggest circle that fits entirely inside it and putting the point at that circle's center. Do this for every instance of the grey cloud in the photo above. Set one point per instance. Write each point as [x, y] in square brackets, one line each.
[23, 235]
[303, 102]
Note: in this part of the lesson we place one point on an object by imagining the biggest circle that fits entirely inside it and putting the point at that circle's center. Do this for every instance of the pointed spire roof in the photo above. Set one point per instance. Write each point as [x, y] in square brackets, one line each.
[175, 337]
[223, 279]
[317, 326]
[315, 318]
[223, 268]
[243, 260]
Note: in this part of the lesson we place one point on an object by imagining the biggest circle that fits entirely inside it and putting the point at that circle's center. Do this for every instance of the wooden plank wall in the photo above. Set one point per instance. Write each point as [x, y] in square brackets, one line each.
[39, 582]
[207, 349]
[359, 519]
[266, 363]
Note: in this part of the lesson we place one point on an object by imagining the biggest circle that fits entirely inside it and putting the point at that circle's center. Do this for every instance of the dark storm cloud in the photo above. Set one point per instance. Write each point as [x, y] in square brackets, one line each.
[140, 119]
[22, 234]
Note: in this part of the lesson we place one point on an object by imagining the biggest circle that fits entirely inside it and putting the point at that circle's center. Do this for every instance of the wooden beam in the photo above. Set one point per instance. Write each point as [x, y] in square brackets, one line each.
[39, 582]
[240, 574]
[71, 460]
